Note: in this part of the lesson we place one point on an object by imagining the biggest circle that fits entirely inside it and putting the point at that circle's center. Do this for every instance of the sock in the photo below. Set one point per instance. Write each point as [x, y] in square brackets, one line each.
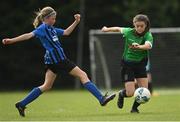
[94, 90]
[31, 96]
[135, 105]
[123, 93]
[150, 87]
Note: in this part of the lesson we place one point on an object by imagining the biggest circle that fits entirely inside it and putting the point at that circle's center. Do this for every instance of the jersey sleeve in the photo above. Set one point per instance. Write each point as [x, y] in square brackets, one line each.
[38, 32]
[149, 39]
[59, 31]
[125, 31]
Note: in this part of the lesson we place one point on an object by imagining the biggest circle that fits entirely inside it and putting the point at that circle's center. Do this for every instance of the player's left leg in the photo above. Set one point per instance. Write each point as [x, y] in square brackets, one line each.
[36, 92]
[90, 86]
[149, 76]
[142, 82]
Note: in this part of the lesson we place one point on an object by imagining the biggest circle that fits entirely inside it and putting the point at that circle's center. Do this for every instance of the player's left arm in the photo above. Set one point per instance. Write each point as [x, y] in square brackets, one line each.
[22, 37]
[146, 46]
[69, 30]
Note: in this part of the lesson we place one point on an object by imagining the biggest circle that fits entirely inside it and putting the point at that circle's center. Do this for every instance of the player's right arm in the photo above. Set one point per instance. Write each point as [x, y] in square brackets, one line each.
[22, 37]
[112, 29]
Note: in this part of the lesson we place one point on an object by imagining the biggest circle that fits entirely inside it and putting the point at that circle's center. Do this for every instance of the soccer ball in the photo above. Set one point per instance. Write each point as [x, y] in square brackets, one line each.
[142, 95]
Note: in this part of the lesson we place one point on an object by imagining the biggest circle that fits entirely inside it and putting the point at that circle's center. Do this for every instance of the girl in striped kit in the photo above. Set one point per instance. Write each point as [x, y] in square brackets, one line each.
[55, 59]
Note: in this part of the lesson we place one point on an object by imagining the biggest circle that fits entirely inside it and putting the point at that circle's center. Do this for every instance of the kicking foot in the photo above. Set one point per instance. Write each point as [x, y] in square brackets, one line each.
[107, 98]
[21, 109]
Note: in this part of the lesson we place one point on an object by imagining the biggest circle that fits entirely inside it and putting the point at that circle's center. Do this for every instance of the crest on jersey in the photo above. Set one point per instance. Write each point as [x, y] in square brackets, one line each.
[55, 38]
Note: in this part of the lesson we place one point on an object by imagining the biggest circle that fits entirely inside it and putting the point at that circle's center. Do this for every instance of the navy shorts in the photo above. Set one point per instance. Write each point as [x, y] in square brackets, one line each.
[131, 70]
[63, 66]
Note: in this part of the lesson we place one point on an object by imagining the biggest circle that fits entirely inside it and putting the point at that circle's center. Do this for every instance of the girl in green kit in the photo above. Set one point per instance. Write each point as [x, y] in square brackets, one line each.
[138, 41]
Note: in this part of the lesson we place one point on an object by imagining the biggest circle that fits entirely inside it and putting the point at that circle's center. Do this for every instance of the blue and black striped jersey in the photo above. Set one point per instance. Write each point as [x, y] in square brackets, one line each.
[48, 36]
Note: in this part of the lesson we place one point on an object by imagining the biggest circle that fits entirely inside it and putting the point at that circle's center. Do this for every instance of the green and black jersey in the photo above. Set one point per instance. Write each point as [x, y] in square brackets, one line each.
[131, 37]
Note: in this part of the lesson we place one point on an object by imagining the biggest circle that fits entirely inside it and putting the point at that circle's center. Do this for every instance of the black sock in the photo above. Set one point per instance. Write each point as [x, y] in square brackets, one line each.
[135, 105]
[123, 93]
[150, 87]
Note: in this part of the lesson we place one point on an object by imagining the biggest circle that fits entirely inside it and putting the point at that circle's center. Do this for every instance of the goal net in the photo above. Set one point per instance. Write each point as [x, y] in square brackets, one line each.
[106, 51]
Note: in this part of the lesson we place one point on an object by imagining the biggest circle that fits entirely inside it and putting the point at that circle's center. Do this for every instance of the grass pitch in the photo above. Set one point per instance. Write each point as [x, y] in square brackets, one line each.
[82, 106]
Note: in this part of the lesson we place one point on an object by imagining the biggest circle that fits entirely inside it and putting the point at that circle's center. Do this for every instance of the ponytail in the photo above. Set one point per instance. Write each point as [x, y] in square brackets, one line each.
[38, 19]
[42, 14]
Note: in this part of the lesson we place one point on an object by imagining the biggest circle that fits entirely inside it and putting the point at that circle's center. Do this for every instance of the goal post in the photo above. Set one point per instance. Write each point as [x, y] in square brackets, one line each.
[106, 52]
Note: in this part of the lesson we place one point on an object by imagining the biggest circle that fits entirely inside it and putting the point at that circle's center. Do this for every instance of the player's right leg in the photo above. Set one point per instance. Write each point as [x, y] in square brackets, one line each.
[127, 75]
[36, 92]
[90, 86]
[127, 92]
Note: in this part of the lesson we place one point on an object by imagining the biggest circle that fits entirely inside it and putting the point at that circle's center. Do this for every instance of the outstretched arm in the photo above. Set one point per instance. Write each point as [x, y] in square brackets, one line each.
[111, 29]
[69, 30]
[22, 37]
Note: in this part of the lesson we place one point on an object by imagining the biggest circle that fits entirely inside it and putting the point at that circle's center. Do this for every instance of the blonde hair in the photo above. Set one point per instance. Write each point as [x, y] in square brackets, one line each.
[42, 14]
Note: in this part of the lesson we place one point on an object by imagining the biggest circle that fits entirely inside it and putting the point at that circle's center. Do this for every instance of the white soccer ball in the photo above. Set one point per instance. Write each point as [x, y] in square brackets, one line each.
[142, 95]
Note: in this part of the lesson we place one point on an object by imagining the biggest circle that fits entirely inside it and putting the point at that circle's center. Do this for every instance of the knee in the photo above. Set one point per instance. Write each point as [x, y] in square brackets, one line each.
[83, 75]
[129, 93]
[45, 87]
[48, 88]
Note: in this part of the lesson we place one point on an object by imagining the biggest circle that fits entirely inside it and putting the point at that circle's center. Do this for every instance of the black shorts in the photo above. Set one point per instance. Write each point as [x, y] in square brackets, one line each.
[132, 70]
[63, 66]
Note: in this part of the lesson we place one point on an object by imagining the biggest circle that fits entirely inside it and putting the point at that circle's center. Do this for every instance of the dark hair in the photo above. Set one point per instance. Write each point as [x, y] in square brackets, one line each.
[145, 19]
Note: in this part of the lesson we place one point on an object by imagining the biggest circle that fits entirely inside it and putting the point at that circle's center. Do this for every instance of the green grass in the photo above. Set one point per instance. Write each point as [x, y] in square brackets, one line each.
[81, 106]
